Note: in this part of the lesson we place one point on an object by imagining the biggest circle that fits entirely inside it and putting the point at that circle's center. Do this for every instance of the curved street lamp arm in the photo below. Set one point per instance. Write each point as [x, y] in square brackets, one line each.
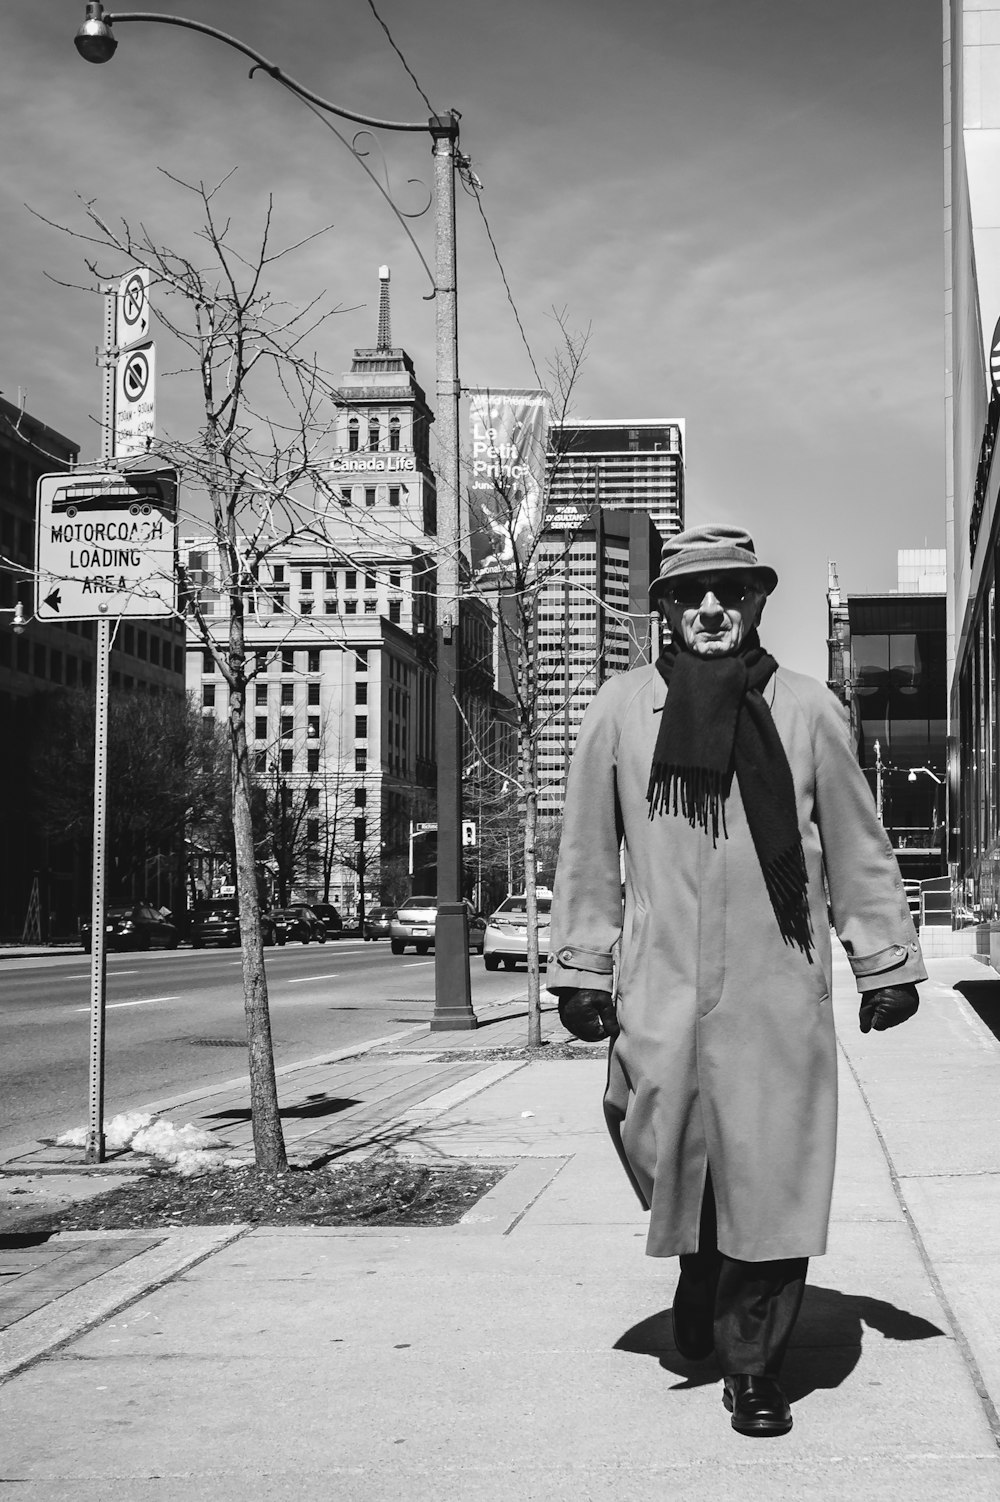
[438, 123]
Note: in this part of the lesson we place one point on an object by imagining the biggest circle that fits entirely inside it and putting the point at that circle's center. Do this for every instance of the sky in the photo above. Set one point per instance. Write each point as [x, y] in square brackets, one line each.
[740, 200]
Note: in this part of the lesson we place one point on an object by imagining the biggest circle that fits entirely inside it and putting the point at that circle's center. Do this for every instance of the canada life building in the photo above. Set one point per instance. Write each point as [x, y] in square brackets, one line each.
[615, 492]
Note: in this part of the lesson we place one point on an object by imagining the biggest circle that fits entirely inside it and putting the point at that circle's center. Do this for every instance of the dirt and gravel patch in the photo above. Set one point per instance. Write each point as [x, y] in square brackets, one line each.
[349, 1194]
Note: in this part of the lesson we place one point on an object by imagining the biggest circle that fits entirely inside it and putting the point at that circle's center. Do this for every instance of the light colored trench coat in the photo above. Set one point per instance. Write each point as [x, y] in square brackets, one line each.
[727, 1054]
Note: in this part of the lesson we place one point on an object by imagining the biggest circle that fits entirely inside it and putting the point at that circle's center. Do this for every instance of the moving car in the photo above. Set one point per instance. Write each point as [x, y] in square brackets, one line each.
[507, 933]
[414, 923]
[330, 918]
[300, 922]
[216, 920]
[135, 926]
[376, 924]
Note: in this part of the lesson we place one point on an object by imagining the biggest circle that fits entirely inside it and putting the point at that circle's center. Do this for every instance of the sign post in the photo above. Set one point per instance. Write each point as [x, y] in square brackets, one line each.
[105, 547]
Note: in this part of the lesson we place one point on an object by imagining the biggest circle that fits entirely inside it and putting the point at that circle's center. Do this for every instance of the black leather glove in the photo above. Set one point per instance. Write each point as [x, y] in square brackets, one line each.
[589, 1015]
[887, 1007]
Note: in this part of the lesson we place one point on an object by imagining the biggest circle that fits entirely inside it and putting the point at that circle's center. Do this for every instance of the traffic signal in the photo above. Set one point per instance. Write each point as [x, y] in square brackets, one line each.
[468, 831]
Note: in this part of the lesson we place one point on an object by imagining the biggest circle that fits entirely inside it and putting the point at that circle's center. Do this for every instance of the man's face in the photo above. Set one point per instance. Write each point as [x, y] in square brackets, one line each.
[711, 614]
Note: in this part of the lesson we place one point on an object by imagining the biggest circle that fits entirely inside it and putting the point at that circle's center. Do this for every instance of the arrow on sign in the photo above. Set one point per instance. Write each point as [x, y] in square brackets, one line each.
[54, 600]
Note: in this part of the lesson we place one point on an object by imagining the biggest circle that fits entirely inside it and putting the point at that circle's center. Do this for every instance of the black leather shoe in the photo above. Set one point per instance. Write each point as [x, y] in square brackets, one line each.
[691, 1318]
[758, 1405]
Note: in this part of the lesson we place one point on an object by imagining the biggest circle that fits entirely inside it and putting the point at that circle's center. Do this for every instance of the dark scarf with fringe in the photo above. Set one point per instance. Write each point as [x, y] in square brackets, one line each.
[715, 723]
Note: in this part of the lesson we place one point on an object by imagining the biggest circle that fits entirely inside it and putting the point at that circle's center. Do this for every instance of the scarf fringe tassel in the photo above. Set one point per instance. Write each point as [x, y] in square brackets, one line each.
[697, 793]
[786, 880]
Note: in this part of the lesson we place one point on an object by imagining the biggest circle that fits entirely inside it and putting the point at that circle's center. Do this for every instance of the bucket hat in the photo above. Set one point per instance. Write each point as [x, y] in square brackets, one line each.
[710, 550]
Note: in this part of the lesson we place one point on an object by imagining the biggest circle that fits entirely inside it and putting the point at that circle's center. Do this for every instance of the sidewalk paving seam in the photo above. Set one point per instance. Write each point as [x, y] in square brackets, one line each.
[82, 1309]
[962, 1342]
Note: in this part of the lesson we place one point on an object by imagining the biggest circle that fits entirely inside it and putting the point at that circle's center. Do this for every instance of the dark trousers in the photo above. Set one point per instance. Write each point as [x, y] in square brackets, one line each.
[755, 1304]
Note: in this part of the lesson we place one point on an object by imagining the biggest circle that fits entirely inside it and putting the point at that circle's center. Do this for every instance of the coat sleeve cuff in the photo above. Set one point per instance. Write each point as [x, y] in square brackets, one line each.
[588, 969]
[896, 965]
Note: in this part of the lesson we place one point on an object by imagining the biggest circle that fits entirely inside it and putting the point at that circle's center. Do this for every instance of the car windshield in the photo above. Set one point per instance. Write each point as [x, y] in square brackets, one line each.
[219, 909]
[118, 912]
[520, 905]
[418, 905]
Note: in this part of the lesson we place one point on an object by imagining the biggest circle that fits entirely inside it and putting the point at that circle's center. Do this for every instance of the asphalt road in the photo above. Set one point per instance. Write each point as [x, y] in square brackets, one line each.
[174, 1021]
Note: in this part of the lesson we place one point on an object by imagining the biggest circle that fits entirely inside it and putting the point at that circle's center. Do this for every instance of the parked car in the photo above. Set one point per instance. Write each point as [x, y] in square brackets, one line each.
[376, 924]
[135, 926]
[300, 922]
[414, 923]
[330, 918]
[507, 933]
[216, 920]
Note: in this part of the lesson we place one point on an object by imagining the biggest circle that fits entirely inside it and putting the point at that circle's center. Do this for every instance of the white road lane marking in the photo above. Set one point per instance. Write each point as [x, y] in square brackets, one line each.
[295, 980]
[145, 1002]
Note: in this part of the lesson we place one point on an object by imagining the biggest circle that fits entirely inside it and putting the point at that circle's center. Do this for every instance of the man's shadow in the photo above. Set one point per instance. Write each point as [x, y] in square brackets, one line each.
[825, 1349]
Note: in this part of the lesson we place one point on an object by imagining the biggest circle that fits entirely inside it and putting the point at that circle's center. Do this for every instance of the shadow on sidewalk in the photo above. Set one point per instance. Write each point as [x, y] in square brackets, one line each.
[825, 1350]
[983, 997]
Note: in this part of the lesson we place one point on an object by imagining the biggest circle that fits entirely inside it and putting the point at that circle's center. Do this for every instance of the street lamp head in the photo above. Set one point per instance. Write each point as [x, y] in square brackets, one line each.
[94, 41]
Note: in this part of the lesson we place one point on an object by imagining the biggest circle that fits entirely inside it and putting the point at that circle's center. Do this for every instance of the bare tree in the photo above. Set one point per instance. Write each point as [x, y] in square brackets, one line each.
[257, 459]
[526, 559]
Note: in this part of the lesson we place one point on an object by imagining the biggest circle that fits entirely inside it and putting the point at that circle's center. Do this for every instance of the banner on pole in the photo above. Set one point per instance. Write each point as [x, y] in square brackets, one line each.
[510, 430]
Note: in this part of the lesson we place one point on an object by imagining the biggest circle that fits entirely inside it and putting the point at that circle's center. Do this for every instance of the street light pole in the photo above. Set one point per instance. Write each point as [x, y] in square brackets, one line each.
[96, 43]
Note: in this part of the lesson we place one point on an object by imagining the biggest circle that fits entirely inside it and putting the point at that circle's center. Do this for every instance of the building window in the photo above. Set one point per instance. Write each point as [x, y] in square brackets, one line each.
[312, 727]
[330, 606]
[393, 495]
[394, 434]
[260, 661]
[395, 579]
[350, 607]
[312, 831]
[350, 579]
[371, 606]
[361, 659]
[287, 660]
[260, 693]
[312, 797]
[360, 759]
[369, 495]
[208, 696]
[361, 693]
[306, 579]
[260, 727]
[331, 578]
[373, 434]
[207, 660]
[370, 581]
[278, 573]
[313, 659]
[345, 494]
[395, 611]
[361, 727]
[313, 694]
[353, 439]
[287, 724]
[260, 761]
[305, 607]
[288, 693]
[286, 761]
[312, 759]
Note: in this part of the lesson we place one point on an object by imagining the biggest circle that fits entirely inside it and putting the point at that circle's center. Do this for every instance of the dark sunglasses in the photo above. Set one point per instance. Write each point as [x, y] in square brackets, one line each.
[689, 593]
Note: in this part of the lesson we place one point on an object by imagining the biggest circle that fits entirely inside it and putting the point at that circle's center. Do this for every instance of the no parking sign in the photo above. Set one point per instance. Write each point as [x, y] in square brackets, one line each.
[135, 401]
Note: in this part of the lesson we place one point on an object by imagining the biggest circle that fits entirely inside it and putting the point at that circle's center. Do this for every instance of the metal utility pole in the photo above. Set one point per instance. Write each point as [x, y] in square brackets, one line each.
[452, 989]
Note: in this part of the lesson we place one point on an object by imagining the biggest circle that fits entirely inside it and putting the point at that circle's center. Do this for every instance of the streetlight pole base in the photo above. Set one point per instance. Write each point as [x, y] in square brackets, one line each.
[452, 986]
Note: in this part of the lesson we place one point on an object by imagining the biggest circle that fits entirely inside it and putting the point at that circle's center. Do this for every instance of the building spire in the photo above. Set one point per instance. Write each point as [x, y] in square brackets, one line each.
[384, 324]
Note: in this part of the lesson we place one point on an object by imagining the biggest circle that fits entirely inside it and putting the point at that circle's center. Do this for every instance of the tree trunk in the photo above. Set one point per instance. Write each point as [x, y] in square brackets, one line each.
[268, 1140]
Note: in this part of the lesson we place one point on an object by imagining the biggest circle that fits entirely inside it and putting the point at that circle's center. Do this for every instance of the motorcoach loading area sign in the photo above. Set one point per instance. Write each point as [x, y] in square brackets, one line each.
[105, 544]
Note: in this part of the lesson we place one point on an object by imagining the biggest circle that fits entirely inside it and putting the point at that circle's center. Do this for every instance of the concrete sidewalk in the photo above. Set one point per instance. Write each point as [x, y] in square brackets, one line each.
[526, 1352]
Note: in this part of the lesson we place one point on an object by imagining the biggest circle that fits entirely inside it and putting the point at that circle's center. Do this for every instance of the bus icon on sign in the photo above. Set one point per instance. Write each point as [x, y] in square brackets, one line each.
[139, 495]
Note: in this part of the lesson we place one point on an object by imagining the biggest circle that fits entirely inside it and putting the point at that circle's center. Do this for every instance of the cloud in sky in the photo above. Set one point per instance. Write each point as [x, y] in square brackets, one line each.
[741, 198]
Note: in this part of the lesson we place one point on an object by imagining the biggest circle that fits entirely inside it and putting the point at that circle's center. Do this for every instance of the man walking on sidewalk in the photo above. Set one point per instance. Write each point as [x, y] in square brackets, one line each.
[732, 788]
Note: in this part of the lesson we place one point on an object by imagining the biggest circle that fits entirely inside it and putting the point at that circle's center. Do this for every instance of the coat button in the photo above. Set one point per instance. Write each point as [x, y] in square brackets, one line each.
[566, 954]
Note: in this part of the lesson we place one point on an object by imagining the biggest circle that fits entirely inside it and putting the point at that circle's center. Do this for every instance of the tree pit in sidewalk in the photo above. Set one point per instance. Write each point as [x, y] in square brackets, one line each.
[370, 1193]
